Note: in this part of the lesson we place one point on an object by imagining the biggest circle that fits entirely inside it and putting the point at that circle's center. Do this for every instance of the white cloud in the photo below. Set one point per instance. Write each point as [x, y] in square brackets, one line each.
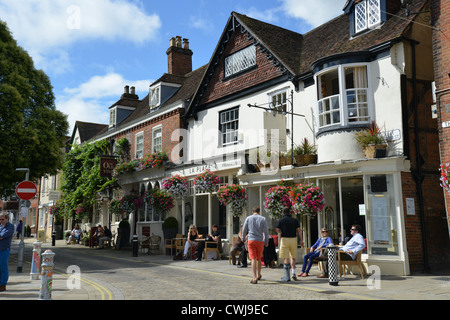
[46, 27]
[314, 12]
[90, 101]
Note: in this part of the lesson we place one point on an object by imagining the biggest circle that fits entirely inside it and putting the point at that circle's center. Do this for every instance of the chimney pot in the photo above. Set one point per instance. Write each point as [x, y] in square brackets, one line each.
[133, 90]
[178, 42]
[172, 42]
[185, 43]
[127, 89]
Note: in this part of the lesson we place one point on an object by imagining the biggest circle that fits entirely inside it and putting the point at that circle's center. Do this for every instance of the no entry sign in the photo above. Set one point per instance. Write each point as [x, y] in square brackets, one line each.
[26, 190]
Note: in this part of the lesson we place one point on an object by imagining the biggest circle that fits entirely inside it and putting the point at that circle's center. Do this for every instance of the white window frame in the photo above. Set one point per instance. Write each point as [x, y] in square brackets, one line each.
[229, 136]
[155, 96]
[240, 61]
[140, 150]
[154, 138]
[367, 15]
[112, 117]
[342, 98]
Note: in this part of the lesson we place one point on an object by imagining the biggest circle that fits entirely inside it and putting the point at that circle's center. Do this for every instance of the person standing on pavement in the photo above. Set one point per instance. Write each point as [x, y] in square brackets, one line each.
[6, 234]
[289, 227]
[255, 228]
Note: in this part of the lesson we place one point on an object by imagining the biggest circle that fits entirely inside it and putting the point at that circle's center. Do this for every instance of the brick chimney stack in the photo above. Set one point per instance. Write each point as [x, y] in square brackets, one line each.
[179, 56]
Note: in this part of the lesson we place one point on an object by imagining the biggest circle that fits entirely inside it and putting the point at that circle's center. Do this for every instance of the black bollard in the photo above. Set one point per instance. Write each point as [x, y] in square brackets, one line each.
[53, 238]
[135, 245]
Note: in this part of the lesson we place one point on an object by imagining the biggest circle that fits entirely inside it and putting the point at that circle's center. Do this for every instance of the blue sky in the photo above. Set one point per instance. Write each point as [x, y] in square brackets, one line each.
[91, 49]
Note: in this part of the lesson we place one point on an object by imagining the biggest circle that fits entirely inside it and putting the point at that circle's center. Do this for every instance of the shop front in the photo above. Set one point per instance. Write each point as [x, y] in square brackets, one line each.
[367, 192]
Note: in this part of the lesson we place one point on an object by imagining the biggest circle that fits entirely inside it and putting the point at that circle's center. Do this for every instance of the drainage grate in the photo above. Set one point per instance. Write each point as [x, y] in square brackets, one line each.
[330, 292]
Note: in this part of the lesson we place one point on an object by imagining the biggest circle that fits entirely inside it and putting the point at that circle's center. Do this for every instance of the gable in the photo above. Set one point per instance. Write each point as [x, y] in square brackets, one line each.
[277, 54]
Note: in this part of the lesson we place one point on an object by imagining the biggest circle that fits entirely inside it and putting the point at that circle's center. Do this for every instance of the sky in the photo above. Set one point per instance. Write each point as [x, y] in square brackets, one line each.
[91, 49]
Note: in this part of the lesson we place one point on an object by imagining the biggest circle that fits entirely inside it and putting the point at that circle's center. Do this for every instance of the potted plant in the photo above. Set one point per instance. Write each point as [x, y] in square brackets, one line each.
[233, 195]
[177, 186]
[371, 139]
[285, 158]
[277, 198]
[307, 199]
[170, 228]
[299, 156]
[206, 182]
[309, 151]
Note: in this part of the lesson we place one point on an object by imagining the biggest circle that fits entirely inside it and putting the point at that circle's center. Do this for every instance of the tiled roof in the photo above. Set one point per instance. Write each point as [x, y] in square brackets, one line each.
[88, 130]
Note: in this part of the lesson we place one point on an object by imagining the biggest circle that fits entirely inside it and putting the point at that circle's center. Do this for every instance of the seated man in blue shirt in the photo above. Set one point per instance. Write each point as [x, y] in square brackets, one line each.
[351, 248]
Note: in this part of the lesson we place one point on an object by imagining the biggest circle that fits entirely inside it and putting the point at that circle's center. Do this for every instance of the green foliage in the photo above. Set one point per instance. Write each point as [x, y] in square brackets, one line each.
[170, 222]
[32, 131]
[371, 135]
[81, 175]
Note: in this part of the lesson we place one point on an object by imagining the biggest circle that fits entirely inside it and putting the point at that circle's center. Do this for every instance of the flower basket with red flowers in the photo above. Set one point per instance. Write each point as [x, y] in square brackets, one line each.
[83, 210]
[177, 186]
[206, 181]
[115, 206]
[161, 200]
[276, 199]
[235, 196]
[307, 199]
[445, 169]
[132, 202]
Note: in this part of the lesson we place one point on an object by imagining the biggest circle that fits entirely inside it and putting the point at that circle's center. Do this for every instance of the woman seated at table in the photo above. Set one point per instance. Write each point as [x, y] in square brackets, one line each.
[190, 241]
[315, 251]
[214, 236]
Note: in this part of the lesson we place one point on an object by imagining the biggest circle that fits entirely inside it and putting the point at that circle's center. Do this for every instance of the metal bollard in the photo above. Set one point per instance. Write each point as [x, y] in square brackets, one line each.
[53, 238]
[46, 275]
[332, 265]
[36, 262]
[135, 245]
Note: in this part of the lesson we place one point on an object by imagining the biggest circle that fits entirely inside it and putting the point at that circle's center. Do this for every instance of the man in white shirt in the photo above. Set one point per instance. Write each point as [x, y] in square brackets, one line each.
[351, 248]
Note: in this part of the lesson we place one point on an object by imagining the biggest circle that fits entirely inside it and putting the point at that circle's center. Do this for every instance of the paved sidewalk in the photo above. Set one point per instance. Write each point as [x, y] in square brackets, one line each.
[416, 287]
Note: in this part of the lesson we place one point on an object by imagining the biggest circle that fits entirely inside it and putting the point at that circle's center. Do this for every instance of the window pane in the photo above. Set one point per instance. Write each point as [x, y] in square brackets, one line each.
[240, 61]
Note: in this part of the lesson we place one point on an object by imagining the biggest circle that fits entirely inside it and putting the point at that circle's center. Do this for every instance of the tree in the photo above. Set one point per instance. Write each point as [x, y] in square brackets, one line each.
[32, 131]
[81, 176]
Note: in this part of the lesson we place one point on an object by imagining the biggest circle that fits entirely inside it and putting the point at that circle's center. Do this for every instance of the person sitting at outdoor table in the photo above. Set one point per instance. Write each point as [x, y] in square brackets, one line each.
[351, 248]
[76, 233]
[104, 236]
[315, 252]
[238, 245]
[190, 241]
[214, 236]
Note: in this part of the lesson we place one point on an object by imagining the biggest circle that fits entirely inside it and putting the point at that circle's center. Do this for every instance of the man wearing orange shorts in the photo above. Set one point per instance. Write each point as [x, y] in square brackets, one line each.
[255, 226]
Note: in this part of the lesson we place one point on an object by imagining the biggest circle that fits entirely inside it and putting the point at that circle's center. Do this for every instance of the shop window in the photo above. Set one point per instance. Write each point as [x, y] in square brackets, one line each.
[381, 218]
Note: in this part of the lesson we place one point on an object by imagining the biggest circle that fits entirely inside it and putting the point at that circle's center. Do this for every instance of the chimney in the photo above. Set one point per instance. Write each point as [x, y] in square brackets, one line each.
[179, 56]
[128, 94]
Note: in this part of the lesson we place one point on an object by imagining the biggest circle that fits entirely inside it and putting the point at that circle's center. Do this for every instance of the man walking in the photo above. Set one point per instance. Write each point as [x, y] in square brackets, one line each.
[258, 236]
[289, 227]
[6, 234]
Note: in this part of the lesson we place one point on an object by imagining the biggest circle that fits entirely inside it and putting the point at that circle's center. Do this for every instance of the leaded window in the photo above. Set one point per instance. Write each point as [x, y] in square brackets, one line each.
[241, 60]
[367, 14]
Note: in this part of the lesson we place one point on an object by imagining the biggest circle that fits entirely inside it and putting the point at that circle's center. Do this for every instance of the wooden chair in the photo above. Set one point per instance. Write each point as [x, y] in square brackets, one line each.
[179, 244]
[170, 244]
[236, 254]
[92, 239]
[357, 262]
[213, 246]
[154, 243]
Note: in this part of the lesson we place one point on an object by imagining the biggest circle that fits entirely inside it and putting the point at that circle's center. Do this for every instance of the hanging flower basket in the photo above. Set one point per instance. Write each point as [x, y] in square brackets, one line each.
[206, 181]
[235, 196]
[115, 206]
[132, 202]
[154, 160]
[161, 200]
[276, 199]
[82, 210]
[445, 183]
[177, 186]
[307, 199]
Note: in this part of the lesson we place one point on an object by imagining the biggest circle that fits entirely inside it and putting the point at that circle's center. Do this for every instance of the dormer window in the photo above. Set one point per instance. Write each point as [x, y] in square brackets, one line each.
[112, 117]
[367, 15]
[155, 96]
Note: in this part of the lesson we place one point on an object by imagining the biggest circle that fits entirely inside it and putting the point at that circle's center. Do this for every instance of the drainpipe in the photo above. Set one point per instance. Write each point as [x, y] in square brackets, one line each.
[418, 174]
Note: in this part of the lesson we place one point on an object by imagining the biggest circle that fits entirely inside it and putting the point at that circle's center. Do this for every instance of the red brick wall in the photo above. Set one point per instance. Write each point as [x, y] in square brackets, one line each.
[219, 88]
[169, 122]
[179, 61]
[441, 55]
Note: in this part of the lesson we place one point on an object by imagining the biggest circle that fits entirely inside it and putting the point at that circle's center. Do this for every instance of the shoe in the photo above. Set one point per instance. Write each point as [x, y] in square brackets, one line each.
[254, 281]
[301, 274]
[2, 288]
[322, 276]
[294, 277]
[259, 278]
[304, 275]
[242, 266]
[198, 259]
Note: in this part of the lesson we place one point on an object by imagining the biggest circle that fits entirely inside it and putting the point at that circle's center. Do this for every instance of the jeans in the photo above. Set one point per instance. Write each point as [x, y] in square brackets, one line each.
[311, 256]
[4, 271]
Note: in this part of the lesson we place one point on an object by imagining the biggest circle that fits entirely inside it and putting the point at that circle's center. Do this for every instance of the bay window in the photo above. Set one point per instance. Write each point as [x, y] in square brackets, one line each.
[343, 96]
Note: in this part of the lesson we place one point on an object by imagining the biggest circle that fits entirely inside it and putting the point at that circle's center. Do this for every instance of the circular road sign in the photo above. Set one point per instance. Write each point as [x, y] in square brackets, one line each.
[26, 190]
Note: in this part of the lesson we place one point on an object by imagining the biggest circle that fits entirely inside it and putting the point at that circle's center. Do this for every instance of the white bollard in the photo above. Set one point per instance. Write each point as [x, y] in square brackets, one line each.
[332, 265]
[46, 275]
[36, 262]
